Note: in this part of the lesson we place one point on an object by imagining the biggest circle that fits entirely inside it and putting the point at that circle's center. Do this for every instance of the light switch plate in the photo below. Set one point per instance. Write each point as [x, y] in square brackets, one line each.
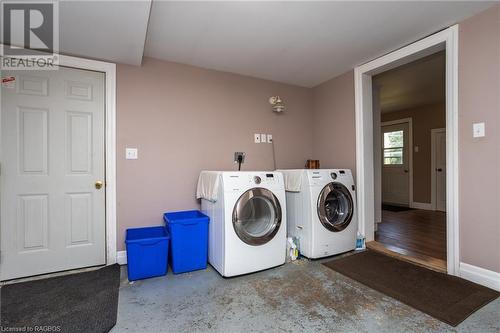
[269, 138]
[478, 130]
[256, 138]
[263, 138]
[131, 153]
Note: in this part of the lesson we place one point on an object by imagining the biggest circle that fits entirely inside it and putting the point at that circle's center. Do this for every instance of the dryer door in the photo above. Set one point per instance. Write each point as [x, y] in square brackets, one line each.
[257, 216]
[335, 207]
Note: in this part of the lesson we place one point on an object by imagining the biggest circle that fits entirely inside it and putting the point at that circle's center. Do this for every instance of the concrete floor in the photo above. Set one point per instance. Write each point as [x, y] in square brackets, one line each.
[303, 296]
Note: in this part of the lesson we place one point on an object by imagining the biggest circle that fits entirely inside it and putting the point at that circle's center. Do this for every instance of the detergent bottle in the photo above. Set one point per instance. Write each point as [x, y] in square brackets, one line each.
[292, 250]
[360, 241]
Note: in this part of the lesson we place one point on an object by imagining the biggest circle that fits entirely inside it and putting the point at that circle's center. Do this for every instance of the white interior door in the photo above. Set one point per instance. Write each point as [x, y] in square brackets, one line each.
[52, 155]
[439, 142]
[395, 164]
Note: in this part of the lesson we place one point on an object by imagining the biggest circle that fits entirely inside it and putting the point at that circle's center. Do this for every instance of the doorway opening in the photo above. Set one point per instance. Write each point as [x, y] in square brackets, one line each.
[384, 150]
[411, 140]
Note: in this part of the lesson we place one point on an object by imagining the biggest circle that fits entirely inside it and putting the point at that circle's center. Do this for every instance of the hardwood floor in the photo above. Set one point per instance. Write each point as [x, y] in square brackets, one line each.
[418, 234]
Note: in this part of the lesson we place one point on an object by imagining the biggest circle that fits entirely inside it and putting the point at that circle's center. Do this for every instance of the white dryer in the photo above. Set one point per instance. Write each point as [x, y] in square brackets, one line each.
[247, 230]
[321, 211]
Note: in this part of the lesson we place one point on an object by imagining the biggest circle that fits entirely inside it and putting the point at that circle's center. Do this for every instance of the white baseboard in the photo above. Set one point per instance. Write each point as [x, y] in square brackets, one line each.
[421, 205]
[480, 276]
[121, 257]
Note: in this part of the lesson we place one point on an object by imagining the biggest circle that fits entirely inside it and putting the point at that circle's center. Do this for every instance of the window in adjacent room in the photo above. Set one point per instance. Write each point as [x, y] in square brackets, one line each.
[393, 148]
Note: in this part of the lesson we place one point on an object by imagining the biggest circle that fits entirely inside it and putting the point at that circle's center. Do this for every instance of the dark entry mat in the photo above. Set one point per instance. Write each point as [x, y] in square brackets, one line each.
[392, 208]
[82, 302]
[444, 297]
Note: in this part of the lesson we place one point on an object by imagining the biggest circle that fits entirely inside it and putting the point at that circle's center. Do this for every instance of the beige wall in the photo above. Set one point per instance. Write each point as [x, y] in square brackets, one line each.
[424, 119]
[479, 91]
[334, 134]
[479, 159]
[185, 119]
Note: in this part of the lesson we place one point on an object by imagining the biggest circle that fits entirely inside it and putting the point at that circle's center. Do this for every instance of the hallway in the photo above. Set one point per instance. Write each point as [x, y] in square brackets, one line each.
[415, 233]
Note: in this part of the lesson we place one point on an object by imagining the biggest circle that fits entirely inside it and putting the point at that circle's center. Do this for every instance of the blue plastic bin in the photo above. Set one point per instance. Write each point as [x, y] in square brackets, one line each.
[147, 252]
[188, 240]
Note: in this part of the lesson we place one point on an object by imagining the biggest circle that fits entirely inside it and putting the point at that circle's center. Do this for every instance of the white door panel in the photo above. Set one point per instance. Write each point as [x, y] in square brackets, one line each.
[395, 170]
[52, 154]
[440, 172]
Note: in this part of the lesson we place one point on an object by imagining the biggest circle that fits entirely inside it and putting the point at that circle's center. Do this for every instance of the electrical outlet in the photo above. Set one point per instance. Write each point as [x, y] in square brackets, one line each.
[256, 138]
[269, 138]
[478, 130]
[131, 153]
[239, 156]
[263, 138]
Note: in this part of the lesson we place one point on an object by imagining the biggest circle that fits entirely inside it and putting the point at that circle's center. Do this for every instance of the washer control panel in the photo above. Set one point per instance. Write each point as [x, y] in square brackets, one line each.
[320, 176]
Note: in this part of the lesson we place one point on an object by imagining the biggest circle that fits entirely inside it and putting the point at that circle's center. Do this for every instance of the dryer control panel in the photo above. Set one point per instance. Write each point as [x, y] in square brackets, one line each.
[265, 178]
[235, 180]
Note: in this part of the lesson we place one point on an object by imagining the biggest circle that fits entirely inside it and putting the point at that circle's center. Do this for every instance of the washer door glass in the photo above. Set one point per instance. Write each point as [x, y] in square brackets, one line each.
[257, 216]
[335, 207]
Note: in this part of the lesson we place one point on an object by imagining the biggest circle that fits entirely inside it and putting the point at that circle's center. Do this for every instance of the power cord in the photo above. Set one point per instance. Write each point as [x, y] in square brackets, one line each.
[240, 160]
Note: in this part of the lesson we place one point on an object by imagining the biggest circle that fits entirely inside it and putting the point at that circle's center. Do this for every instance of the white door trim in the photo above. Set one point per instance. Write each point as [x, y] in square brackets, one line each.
[109, 70]
[410, 151]
[448, 40]
[433, 165]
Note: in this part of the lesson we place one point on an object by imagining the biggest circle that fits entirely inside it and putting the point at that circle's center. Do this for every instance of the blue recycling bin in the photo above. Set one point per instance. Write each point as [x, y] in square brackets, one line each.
[188, 240]
[147, 252]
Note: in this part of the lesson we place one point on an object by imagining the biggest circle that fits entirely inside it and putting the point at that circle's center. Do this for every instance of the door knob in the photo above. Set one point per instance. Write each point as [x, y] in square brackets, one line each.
[98, 184]
[406, 171]
[439, 169]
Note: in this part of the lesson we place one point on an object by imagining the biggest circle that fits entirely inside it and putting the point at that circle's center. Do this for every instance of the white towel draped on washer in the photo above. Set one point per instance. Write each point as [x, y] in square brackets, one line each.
[208, 185]
[292, 179]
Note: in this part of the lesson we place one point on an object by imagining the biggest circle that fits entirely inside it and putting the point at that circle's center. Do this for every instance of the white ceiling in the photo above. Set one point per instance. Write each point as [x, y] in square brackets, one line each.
[107, 30]
[113, 30]
[418, 83]
[301, 42]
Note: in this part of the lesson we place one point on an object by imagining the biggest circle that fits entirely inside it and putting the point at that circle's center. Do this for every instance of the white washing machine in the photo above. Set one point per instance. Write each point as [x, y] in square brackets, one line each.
[322, 211]
[247, 230]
